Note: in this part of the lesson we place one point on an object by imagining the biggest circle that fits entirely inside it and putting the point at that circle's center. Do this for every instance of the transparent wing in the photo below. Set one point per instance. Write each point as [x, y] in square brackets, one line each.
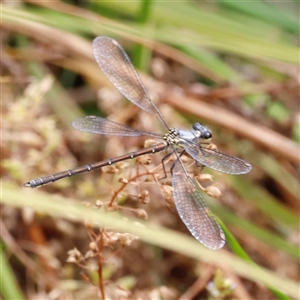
[194, 211]
[216, 160]
[116, 65]
[100, 125]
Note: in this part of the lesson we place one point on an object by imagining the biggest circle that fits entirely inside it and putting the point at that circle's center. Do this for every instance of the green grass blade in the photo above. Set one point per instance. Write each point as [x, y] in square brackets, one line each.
[8, 286]
[239, 251]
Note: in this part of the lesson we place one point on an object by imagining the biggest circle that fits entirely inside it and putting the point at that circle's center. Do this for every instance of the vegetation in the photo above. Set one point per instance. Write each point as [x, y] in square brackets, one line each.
[233, 66]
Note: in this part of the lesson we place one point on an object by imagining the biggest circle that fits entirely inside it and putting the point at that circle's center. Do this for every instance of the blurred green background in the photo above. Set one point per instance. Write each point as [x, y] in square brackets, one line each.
[231, 65]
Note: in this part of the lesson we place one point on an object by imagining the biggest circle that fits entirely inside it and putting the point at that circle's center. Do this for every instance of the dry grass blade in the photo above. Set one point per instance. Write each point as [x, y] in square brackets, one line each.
[58, 207]
[126, 31]
[262, 136]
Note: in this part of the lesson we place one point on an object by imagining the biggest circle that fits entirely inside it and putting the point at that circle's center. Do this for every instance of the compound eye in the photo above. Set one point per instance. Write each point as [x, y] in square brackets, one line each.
[206, 135]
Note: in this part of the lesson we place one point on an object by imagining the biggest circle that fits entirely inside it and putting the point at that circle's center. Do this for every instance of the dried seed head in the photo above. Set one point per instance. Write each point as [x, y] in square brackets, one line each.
[167, 192]
[111, 169]
[144, 197]
[204, 177]
[170, 205]
[144, 160]
[108, 237]
[123, 180]
[89, 254]
[74, 256]
[93, 246]
[99, 203]
[149, 143]
[213, 191]
[167, 293]
[184, 158]
[213, 147]
[111, 237]
[71, 259]
[169, 201]
[126, 239]
[141, 213]
[121, 165]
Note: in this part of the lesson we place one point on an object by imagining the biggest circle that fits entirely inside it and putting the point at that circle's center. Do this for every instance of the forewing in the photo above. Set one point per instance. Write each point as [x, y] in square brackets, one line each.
[217, 160]
[194, 211]
[100, 125]
[116, 65]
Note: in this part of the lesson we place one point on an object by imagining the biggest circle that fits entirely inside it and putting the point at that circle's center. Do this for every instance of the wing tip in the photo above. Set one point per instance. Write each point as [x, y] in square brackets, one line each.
[214, 243]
